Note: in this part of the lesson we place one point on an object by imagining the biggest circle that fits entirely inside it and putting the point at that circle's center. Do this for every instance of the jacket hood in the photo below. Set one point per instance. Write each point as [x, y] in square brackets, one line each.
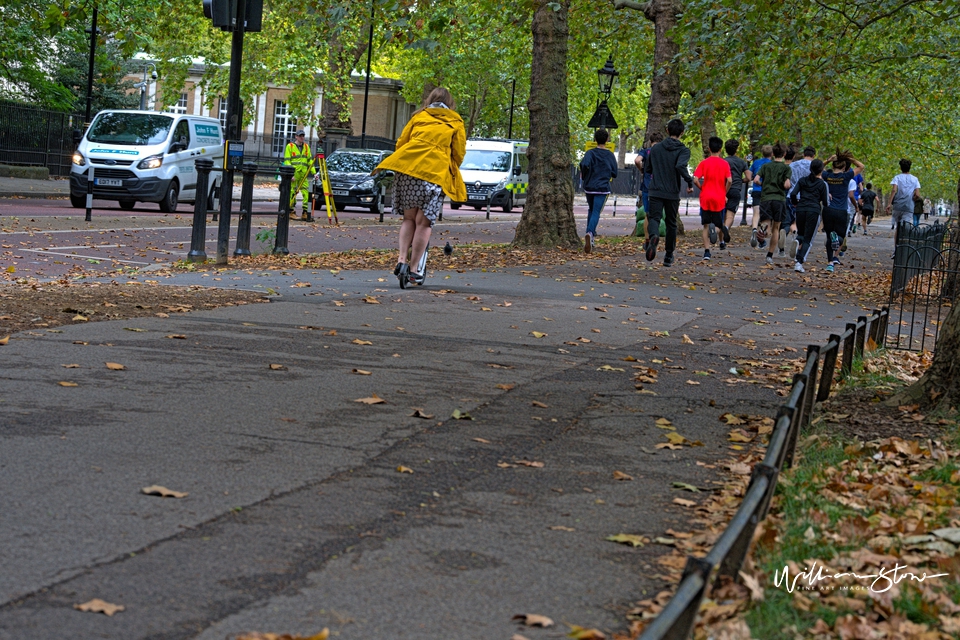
[671, 144]
[447, 116]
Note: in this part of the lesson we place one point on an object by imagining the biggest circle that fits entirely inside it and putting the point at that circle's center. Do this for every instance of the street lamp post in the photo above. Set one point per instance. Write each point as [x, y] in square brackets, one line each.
[513, 90]
[143, 84]
[602, 118]
[93, 52]
[366, 85]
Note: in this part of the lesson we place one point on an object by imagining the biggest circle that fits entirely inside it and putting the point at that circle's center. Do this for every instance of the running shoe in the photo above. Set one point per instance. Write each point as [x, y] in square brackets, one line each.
[587, 243]
[712, 233]
[650, 247]
[843, 246]
[781, 253]
[793, 247]
[753, 238]
[706, 254]
[782, 240]
[769, 260]
[829, 268]
[799, 268]
[668, 260]
[723, 245]
[837, 262]
[726, 235]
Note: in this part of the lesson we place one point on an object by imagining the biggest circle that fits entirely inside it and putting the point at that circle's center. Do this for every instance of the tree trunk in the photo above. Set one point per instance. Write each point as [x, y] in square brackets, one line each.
[708, 127]
[665, 83]
[547, 218]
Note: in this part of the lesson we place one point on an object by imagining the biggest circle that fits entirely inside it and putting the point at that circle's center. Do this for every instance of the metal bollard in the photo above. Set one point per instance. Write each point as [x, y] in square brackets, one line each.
[249, 171]
[283, 215]
[381, 196]
[90, 179]
[614, 205]
[198, 239]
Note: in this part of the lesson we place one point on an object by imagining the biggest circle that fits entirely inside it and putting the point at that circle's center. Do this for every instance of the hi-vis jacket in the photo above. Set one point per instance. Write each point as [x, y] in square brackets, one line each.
[299, 158]
[431, 148]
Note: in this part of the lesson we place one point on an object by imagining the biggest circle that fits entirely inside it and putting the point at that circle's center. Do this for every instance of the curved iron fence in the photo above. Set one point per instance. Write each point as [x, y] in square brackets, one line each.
[677, 619]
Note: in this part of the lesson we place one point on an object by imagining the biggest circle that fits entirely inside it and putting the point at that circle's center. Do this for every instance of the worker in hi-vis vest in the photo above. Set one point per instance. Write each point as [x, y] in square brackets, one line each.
[297, 155]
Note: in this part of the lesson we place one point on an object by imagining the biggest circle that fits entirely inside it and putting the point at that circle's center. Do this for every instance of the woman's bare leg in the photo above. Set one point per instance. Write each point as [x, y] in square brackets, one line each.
[420, 238]
[407, 229]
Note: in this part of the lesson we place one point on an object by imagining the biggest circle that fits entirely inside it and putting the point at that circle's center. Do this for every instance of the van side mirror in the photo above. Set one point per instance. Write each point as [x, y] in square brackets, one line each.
[517, 170]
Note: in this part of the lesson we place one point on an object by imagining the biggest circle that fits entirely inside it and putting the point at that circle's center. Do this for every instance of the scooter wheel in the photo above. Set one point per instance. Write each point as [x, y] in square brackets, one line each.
[402, 276]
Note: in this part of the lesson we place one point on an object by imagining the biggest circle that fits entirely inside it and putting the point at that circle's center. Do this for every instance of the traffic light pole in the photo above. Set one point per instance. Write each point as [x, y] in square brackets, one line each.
[234, 118]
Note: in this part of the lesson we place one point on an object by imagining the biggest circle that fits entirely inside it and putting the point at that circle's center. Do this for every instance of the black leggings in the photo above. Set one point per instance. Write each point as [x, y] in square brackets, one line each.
[834, 220]
[807, 223]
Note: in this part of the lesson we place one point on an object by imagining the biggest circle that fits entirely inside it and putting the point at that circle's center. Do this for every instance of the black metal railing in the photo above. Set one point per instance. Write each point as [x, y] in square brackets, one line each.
[813, 384]
[31, 136]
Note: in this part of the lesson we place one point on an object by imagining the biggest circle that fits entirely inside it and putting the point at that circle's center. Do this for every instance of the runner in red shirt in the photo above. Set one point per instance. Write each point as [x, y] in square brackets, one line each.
[713, 178]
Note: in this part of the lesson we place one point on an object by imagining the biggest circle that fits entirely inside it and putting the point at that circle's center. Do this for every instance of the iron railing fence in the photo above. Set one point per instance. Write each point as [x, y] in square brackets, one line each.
[924, 283]
[725, 559]
[31, 136]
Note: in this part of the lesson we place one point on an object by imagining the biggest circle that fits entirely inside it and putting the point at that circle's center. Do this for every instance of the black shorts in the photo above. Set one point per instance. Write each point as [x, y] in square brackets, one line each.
[733, 200]
[867, 214]
[711, 217]
[773, 210]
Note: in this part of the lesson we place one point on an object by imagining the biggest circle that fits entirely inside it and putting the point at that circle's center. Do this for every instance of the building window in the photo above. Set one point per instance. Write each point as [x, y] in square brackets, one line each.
[222, 115]
[180, 106]
[284, 126]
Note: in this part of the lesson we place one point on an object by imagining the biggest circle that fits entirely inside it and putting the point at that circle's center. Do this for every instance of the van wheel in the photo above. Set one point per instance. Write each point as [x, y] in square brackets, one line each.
[508, 205]
[128, 205]
[454, 205]
[170, 201]
[78, 202]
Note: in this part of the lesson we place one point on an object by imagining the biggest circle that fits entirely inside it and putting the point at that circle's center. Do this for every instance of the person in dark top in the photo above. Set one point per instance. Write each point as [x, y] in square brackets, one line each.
[868, 204]
[774, 178]
[835, 217]
[739, 171]
[667, 164]
[809, 197]
[597, 169]
[640, 162]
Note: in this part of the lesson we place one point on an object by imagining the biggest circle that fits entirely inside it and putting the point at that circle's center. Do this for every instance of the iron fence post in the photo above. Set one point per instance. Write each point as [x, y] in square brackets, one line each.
[811, 385]
[799, 418]
[884, 321]
[846, 365]
[829, 368]
[244, 220]
[198, 238]
[283, 215]
[861, 334]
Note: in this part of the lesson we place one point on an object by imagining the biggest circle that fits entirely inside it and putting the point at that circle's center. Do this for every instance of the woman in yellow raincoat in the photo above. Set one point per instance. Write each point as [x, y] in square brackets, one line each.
[427, 166]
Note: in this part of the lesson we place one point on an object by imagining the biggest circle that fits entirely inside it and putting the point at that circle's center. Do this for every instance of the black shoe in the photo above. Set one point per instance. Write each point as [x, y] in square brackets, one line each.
[726, 235]
[651, 247]
[415, 278]
[712, 233]
[668, 260]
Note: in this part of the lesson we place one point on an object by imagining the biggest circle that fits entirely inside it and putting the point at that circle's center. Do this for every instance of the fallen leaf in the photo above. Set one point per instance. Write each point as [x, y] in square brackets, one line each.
[482, 440]
[134, 329]
[371, 300]
[99, 606]
[684, 503]
[506, 387]
[506, 465]
[419, 413]
[667, 445]
[731, 419]
[64, 383]
[277, 367]
[360, 372]
[163, 492]
[685, 487]
[620, 475]
[627, 538]
[538, 334]
[70, 366]
[533, 620]
[359, 341]
[374, 399]
[461, 415]
[79, 318]
[537, 403]
[530, 463]
[560, 527]
[339, 303]
[663, 423]
[115, 366]
[403, 469]
[582, 633]
[686, 339]
[4, 340]
[607, 367]
[517, 636]
[177, 336]
[253, 635]
[692, 382]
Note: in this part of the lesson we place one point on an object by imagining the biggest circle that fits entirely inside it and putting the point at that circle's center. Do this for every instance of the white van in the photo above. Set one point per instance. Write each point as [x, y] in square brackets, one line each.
[495, 169]
[145, 156]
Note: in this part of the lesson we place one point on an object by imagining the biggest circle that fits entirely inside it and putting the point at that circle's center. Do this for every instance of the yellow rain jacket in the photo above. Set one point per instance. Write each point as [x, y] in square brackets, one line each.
[431, 148]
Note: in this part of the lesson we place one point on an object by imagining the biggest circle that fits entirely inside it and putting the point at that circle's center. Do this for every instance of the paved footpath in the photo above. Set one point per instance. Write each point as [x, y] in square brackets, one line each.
[297, 517]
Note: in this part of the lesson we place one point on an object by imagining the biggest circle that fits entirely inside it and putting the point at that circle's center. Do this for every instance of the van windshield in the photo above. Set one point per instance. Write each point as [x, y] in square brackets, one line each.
[485, 160]
[130, 128]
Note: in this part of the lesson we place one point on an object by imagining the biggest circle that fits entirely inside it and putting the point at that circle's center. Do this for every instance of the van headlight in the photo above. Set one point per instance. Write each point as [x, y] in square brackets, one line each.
[501, 185]
[367, 185]
[78, 159]
[151, 162]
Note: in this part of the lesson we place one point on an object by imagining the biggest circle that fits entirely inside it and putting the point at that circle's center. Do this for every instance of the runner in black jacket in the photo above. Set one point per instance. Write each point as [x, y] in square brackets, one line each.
[667, 164]
[809, 197]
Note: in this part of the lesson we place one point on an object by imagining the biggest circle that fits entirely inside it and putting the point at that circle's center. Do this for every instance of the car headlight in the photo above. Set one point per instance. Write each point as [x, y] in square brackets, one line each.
[367, 185]
[500, 185]
[151, 162]
[78, 159]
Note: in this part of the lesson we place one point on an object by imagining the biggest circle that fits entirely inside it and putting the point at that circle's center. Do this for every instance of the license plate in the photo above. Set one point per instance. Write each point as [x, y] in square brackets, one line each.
[108, 182]
[341, 193]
